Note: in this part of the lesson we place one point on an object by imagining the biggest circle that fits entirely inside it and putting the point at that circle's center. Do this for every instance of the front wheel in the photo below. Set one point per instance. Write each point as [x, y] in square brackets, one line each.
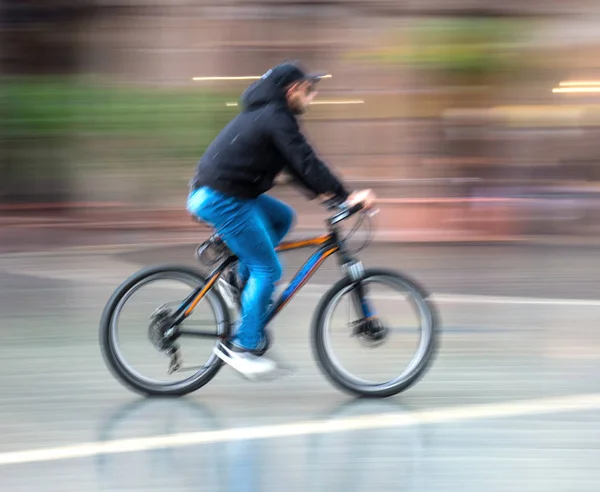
[379, 343]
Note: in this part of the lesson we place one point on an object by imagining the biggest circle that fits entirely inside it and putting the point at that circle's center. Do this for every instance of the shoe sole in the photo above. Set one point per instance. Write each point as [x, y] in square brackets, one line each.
[225, 358]
[279, 371]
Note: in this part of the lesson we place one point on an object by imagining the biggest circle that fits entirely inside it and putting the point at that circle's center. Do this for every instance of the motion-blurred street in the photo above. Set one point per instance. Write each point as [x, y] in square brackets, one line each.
[477, 126]
[511, 401]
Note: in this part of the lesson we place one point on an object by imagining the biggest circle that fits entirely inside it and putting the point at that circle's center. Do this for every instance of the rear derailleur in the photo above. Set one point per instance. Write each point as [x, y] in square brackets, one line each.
[163, 334]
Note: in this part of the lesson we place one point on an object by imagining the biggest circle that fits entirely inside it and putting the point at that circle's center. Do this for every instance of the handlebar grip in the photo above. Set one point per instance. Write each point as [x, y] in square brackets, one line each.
[355, 208]
[345, 213]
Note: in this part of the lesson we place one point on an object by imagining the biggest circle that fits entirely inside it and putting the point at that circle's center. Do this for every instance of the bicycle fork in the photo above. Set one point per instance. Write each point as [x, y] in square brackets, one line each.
[367, 327]
[359, 290]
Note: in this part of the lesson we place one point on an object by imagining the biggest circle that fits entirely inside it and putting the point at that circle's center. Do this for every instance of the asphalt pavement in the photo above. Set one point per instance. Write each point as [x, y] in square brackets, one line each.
[510, 403]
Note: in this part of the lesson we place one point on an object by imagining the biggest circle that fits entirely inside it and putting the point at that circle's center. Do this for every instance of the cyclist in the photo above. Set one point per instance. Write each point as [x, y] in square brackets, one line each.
[228, 192]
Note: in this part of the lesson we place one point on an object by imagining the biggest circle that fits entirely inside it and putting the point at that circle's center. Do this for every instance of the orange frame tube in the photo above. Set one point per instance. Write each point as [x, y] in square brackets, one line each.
[284, 246]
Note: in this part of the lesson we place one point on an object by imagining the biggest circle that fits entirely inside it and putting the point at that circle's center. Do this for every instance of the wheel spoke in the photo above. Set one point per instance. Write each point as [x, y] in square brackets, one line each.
[402, 336]
[139, 339]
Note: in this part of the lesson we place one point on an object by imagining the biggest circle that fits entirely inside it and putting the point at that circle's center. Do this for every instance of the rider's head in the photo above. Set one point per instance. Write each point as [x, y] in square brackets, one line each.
[299, 87]
[299, 95]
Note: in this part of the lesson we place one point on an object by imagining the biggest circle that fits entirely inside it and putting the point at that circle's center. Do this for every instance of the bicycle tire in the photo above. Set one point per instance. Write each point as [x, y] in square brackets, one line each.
[383, 390]
[120, 370]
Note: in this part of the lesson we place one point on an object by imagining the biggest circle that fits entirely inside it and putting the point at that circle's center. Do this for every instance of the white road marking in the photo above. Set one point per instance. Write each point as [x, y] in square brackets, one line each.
[316, 290]
[480, 299]
[574, 403]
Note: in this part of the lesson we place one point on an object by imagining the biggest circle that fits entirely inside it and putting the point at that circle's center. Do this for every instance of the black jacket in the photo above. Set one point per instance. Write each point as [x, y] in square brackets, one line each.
[260, 142]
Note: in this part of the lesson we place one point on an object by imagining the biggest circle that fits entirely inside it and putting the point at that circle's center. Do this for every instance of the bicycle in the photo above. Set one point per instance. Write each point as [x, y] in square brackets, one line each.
[168, 322]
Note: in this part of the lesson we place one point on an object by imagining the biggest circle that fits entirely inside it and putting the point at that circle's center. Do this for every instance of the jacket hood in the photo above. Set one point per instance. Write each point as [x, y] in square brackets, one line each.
[261, 93]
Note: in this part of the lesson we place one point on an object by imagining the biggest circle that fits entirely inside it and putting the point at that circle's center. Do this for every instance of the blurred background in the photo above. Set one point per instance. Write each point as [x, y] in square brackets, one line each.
[446, 109]
[477, 123]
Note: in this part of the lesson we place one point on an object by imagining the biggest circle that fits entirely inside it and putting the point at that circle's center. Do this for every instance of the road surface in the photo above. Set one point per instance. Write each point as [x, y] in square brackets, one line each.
[512, 401]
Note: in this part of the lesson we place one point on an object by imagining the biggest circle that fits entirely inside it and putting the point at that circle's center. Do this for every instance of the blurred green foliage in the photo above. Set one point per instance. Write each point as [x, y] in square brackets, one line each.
[52, 128]
[469, 46]
[176, 123]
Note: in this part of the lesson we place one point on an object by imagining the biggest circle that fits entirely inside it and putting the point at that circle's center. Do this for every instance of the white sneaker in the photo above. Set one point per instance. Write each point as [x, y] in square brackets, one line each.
[246, 363]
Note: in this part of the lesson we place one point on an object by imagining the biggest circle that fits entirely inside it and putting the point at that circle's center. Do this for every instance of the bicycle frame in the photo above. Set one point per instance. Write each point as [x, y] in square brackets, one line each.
[327, 245]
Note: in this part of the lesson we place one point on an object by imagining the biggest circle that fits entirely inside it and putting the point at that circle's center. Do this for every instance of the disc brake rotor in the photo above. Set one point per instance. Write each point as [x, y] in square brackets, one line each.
[370, 332]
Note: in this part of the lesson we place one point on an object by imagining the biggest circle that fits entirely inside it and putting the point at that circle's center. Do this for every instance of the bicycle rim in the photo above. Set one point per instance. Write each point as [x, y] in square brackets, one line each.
[199, 367]
[364, 373]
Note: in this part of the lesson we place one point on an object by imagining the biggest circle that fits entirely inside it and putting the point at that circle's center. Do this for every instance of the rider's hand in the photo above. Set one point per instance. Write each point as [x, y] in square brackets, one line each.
[366, 197]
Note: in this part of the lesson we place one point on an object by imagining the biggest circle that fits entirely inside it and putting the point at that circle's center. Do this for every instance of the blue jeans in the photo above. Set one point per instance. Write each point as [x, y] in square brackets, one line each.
[252, 229]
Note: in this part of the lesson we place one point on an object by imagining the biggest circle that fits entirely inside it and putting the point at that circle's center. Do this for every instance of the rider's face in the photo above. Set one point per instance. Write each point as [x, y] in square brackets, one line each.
[300, 95]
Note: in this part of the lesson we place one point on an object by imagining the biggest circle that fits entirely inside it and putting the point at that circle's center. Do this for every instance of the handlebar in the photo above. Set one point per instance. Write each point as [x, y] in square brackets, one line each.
[344, 211]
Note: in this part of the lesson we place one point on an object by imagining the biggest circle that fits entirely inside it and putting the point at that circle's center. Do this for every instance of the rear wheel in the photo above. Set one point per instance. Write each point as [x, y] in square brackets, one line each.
[381, 355]
[142, 348]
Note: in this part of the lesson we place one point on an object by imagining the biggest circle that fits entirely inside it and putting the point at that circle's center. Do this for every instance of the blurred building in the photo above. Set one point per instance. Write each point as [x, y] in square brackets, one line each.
[445, 98]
